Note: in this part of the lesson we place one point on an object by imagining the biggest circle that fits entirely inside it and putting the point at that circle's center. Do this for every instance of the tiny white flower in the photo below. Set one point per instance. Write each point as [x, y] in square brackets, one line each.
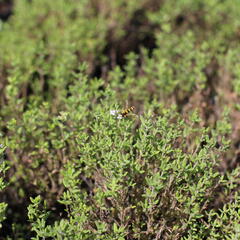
[113, 112]
[119, 116]
[116, 113]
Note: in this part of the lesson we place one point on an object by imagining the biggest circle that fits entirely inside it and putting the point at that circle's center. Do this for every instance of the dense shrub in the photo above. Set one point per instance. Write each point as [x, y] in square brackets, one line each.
[169, 170]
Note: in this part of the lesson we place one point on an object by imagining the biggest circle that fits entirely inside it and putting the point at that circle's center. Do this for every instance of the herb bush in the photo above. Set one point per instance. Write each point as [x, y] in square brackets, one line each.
[71, 170]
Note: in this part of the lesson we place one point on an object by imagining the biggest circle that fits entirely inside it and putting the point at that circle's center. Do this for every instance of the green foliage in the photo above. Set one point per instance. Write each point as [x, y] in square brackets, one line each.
[169, 169]
[3, 169]
[164, 156]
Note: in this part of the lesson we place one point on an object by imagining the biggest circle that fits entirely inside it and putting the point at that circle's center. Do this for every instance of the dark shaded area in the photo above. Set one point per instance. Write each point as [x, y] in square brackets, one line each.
[14, 217]
[180, 20]
[16, 213]
[6, 9]
[139, 32]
